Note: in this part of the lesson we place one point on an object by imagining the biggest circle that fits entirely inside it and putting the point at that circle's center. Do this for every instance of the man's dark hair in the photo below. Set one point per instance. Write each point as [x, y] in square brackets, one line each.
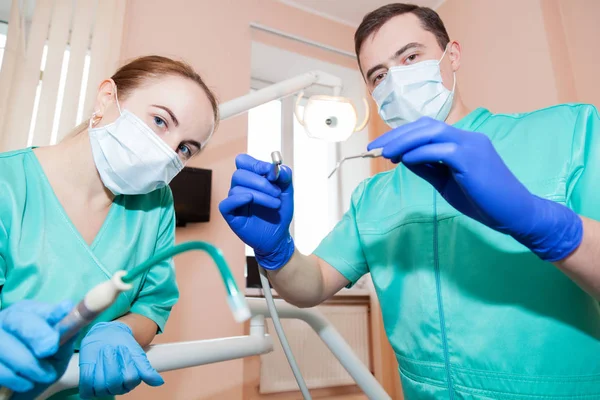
[373, 21]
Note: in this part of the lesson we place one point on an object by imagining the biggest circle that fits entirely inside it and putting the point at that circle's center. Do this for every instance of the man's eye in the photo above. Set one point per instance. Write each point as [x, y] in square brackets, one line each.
[411, 58]
[379, 77]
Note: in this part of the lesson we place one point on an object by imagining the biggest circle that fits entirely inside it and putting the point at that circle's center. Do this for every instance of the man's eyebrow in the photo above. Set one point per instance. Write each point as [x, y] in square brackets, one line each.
[402, 50]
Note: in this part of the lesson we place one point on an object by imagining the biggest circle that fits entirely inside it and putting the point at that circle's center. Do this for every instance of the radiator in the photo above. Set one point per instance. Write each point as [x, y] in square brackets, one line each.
[318, 366]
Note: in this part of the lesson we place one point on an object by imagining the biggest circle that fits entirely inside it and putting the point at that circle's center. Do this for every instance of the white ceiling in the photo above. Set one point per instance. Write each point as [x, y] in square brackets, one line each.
[5, 10]
[349, 12]
[27, 7]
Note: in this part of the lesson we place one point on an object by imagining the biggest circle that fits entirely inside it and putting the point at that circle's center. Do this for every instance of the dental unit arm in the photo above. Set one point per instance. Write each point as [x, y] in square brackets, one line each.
[279, 90]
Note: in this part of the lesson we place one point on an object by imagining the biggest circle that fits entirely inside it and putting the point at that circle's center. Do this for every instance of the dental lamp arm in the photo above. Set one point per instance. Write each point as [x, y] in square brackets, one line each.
[277, 91]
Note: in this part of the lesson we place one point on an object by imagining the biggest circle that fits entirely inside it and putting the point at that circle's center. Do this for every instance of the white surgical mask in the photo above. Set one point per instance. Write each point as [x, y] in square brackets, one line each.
[410, 92]
[130, 157]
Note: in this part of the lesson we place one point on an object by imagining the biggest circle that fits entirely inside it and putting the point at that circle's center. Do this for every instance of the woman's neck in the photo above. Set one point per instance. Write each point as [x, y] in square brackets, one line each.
[73, 161]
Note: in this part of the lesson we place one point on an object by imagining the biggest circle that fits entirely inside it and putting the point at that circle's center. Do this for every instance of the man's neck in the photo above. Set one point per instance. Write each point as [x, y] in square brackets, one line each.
[458, 111]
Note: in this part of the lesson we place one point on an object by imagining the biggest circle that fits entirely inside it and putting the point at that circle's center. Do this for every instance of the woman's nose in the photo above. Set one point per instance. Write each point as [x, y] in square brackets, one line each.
[172, 141]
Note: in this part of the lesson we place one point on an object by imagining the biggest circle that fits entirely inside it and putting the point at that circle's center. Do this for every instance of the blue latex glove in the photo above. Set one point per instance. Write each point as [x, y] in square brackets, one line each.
[30, 357]
[467, 171]
[111, 362]
[259, 209]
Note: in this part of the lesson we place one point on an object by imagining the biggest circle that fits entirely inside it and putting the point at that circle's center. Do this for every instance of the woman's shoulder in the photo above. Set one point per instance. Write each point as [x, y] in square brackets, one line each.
[15, 156]
[14, 165]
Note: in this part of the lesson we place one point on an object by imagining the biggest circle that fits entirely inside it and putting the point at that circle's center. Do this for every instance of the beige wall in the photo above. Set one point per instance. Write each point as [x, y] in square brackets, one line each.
[519, 55]
[214, 36]
[505, 63]
[582, 32]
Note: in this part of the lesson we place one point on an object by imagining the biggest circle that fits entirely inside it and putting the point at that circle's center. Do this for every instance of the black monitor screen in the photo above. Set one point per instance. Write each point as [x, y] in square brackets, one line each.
[191, 194]
[252, 274]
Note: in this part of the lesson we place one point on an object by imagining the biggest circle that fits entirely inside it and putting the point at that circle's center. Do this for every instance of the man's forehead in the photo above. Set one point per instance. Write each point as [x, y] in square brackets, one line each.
[393, 35]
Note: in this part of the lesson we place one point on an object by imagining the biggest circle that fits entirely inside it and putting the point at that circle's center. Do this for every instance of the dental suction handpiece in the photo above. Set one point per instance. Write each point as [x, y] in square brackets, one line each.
[95, 302]
[102, 296]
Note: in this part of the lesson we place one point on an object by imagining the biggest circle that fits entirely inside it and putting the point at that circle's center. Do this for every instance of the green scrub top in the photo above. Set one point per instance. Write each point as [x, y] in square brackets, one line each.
[470, 312]
[43, 256]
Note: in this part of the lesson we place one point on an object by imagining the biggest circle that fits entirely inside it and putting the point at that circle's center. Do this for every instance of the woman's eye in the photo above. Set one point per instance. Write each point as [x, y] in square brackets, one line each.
[185, 150]
[160, 122]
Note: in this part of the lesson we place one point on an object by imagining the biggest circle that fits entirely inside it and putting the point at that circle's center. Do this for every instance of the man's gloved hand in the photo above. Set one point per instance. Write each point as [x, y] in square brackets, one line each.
[30, 357]
[111, 362]
[467, 171]
[259, 210]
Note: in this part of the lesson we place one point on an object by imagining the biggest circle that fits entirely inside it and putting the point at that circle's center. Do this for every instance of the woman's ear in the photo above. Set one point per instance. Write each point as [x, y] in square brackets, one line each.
[106, 95]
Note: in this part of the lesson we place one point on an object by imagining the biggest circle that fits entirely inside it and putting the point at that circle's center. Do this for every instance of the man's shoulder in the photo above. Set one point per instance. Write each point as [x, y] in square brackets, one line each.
[376, 187]
[557, 115]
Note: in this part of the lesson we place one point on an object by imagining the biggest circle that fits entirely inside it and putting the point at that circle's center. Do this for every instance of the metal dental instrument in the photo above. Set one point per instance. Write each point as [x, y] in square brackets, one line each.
[277, 161]
[367, 154]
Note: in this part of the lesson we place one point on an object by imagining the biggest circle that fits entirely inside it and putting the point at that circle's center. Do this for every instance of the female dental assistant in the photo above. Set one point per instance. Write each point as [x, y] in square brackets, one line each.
[98, 202]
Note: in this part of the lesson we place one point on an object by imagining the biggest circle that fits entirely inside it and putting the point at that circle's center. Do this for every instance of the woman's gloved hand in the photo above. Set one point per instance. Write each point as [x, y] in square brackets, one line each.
[467, 171]
[111, 362]
[259, 209]
[30, 357]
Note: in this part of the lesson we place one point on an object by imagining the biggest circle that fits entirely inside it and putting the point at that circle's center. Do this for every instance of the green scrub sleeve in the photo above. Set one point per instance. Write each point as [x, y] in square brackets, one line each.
[2, 276]
[159, 291]
[3, 246]
[583, 183]
[342, 248]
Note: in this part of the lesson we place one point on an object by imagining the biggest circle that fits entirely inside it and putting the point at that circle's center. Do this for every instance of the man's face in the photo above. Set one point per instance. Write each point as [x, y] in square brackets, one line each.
[403, 41]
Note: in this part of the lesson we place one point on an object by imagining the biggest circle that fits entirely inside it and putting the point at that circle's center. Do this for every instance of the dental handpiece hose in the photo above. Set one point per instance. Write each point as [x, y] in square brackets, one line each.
[273, 175]
[103, 295]
[235, 299]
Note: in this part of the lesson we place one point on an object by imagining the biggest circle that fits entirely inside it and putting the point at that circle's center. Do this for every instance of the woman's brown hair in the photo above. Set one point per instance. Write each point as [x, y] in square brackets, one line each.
[137, 72]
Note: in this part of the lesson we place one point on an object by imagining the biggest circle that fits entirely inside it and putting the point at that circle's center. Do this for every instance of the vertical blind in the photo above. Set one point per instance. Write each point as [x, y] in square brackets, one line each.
[57, 53]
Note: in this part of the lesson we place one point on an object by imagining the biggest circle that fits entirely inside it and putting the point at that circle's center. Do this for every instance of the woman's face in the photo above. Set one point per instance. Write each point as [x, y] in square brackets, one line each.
[176, 108]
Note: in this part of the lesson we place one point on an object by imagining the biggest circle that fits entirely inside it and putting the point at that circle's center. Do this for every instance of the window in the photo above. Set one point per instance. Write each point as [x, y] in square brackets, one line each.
[3, 32]
[314, 215]
[264, 130]
[60, 94]
[312, 194]
[264, 134]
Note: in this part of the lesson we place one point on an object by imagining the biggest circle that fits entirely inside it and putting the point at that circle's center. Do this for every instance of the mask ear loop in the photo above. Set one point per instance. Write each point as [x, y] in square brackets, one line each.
[453, 73]
[93, 119]
[94, 114]
[117, 100]
[444, 55]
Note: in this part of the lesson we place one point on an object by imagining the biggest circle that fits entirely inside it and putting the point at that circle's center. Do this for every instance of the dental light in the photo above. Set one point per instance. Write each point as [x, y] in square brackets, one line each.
[330, 118]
